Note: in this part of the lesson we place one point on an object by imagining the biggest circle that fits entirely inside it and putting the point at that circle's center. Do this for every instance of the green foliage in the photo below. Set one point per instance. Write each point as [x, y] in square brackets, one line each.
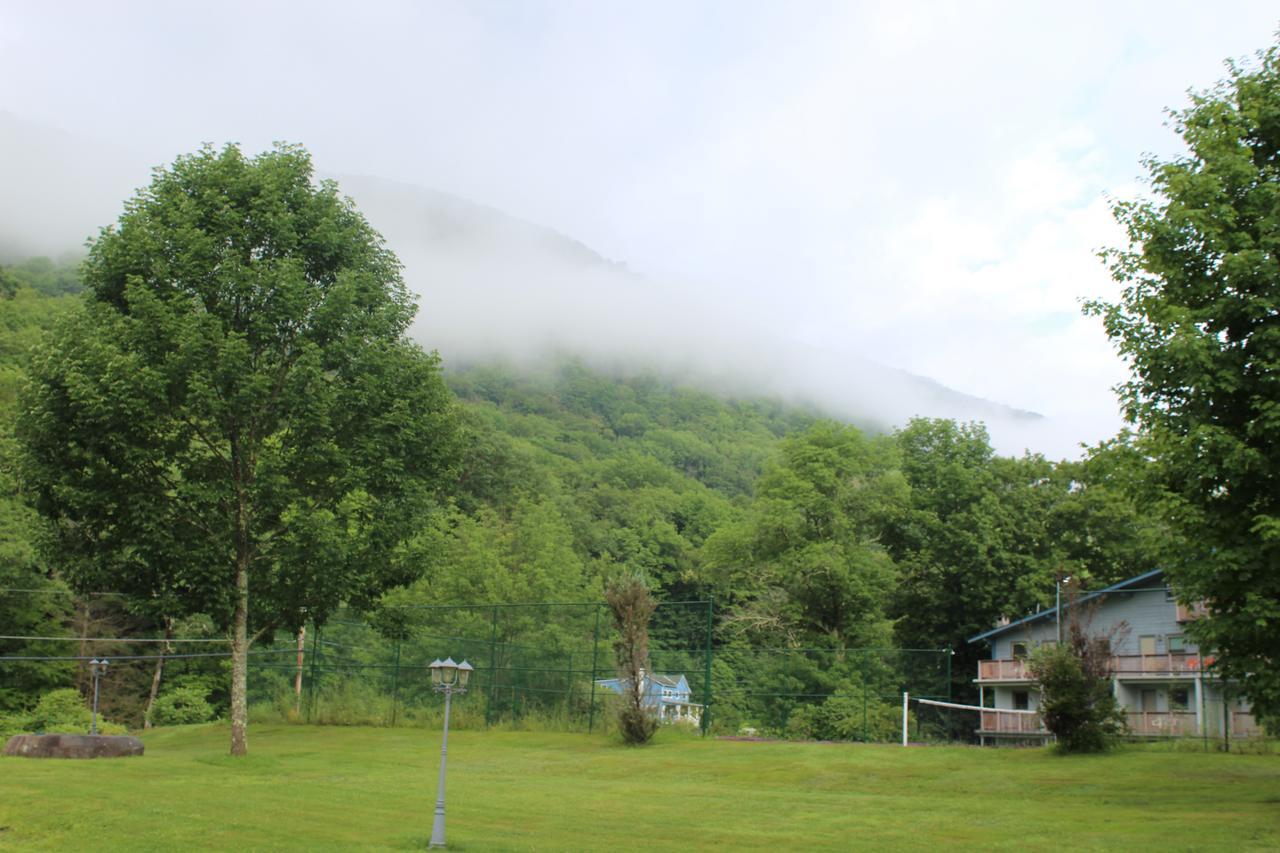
[847, 715]
[805, 567]
[985, 536]
[1076, 702]
[60, 711]
[242, 383]
[43, 276]
[181, 706]
[1197, 324]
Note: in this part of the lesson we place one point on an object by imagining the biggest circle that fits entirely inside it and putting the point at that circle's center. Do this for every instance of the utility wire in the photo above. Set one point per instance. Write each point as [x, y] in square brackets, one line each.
[143, 657]
[117, 639]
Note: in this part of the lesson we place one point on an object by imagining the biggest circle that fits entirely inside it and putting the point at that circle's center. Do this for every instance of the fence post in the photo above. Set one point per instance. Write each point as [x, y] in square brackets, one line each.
[706, 700]
[493, 668]
[866, 734]
[595, 652]
[568, 698]
[950, 720]
[395, 686]
[315, 655]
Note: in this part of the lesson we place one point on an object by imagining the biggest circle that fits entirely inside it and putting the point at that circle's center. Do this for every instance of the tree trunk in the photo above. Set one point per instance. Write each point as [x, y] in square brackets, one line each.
[297, 682]
[155, 678]
[240, 659]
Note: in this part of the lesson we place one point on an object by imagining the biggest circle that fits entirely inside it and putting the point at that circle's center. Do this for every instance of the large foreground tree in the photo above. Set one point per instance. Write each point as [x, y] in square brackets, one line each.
[1199, 323]
[236, 424]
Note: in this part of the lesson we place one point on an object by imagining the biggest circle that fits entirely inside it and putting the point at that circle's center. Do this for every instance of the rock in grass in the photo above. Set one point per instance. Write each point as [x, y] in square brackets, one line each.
[73, 746]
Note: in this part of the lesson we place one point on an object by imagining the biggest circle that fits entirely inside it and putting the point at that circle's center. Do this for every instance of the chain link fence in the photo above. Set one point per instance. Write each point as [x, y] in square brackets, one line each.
[536, 665]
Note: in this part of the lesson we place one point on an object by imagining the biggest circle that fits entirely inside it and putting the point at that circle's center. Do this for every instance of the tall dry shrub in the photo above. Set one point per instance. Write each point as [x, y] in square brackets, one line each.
[632, 607]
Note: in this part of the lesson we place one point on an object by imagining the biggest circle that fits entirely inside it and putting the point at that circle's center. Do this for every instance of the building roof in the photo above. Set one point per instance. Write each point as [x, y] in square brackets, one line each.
[1041, 614]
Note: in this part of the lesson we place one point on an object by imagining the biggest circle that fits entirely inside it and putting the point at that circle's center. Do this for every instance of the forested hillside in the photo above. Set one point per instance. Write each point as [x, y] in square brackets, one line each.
[807, 532]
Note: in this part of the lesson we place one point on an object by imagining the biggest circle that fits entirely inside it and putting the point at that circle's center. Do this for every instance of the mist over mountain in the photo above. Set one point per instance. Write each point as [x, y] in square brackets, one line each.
[495, 287]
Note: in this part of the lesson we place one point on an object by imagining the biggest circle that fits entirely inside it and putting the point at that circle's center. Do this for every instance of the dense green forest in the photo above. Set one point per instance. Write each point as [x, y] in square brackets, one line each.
[808, 533]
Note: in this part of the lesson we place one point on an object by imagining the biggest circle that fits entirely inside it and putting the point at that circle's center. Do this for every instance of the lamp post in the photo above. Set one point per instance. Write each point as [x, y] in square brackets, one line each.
[448, 678]
[99, 669]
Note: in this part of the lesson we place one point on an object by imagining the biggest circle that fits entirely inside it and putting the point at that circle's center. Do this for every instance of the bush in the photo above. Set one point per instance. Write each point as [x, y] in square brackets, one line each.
[1076, 702]
[844, 717]
[58, 711]
[61, 711]
[181, 706]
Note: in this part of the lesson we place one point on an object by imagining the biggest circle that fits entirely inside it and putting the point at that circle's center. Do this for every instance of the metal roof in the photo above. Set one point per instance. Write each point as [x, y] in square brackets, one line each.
[1115, 587]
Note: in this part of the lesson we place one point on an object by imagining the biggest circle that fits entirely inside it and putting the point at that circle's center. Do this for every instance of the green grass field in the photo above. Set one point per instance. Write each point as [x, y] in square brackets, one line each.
[335, 788]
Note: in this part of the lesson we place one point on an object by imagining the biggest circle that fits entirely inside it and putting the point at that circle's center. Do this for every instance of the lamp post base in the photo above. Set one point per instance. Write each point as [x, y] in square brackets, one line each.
[437, 828]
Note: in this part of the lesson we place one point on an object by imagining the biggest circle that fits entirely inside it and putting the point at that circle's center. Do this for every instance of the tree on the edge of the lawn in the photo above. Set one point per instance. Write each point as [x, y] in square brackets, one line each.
[236, 424]
[1199, 323]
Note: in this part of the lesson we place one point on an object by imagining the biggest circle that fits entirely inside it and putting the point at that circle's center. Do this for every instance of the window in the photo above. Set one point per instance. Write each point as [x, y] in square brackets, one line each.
[1177, 645]
[1021, 700]
[1147, 645]
[1149, 700]
[1179, 698]
[1021, 649]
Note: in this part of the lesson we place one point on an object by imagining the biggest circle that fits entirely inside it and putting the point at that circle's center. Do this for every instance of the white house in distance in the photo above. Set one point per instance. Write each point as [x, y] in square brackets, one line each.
[668, 696]
[1160, 677]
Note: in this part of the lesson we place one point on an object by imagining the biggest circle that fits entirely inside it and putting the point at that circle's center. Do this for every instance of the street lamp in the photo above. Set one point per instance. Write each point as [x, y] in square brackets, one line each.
[448, 678]
[99, 669]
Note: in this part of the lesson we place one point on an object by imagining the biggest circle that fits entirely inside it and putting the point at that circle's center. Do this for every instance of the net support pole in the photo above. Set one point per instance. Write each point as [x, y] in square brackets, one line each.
[595, 650]
[905, 698]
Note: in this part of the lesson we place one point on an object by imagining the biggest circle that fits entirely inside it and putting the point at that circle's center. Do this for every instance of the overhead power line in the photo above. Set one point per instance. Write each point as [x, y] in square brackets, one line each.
[119, 639]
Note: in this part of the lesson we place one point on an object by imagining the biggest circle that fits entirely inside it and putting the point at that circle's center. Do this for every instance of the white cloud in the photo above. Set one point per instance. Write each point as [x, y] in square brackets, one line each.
[922, 182]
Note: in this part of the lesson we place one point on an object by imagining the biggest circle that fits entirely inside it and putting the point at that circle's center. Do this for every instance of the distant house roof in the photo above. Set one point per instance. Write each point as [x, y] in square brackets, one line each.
[1041, 614]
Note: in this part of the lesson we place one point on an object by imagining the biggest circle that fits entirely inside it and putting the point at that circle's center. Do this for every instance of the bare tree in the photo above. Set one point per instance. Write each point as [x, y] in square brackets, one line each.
[632, 607]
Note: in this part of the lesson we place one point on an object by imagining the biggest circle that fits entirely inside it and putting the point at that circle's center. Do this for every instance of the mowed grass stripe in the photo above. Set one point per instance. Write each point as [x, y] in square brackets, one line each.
[333, 788]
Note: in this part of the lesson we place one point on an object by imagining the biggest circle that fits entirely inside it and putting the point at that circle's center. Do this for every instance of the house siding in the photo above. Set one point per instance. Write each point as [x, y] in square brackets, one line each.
[1145, 686]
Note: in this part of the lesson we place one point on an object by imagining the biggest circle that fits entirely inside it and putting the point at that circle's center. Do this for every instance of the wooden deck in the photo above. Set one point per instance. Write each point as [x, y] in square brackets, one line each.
[1124, 666]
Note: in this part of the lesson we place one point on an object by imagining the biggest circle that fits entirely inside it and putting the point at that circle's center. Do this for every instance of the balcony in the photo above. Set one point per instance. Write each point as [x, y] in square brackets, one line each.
[1124, 666]
[1191, 612]
[1244, 725]
[1162, 723]
[1176, 663]
[1003, 670]
[1010, 723]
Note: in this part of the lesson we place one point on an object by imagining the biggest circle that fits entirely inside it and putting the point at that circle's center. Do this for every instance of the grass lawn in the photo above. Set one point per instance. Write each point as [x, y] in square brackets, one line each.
[334, 788]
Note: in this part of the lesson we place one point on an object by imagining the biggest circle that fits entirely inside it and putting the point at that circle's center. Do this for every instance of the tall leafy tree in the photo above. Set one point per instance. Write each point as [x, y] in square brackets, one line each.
[973, 543]
[1198, 321]
[806, 565]
[237, 424]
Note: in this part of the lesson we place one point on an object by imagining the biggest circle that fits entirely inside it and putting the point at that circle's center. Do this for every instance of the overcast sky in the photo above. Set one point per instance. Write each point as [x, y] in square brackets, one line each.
[922, 183]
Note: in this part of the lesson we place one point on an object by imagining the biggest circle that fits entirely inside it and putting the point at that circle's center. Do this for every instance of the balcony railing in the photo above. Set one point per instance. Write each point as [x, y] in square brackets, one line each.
[1003, 670]
[1244, 725]
[1162, 723]
[1009, 722]
[1176, 663]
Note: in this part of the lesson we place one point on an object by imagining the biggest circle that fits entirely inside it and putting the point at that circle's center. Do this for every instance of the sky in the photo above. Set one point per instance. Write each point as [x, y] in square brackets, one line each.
[922, 184]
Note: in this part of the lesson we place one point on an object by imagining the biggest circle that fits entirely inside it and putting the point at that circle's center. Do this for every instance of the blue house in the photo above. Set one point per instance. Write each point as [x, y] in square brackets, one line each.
[666, 695]
[1159, 674]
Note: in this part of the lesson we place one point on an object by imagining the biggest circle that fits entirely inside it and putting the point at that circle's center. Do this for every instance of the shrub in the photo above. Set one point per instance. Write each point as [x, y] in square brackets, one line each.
[845, 717]
[632, 606]
[61, 711]
[1076, 702]
[181, 706]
